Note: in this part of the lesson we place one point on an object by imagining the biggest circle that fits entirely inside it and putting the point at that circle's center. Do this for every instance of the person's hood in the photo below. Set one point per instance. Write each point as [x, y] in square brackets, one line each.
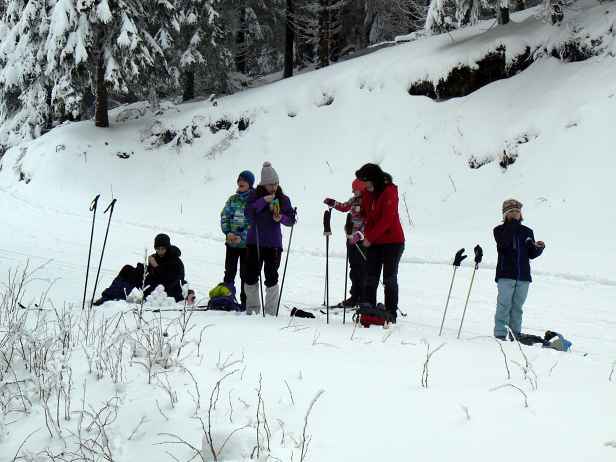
[173, 252]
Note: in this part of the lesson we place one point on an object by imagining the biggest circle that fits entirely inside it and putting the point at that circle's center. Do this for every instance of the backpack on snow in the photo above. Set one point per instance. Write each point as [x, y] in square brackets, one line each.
[222, 298]
[368, 315]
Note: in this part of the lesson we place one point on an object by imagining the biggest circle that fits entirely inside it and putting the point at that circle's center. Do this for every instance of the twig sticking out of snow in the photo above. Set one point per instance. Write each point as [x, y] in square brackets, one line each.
[527, 369]
[306, 438]
[290, 393]
[517, 388]
[612, 371]
[504, 358]
[425, 374]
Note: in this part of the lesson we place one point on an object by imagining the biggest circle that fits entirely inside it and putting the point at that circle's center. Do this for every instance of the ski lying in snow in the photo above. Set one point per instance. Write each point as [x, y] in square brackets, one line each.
[162, 310]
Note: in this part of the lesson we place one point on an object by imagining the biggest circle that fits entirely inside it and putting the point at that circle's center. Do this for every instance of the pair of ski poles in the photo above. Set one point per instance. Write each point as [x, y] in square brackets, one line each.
[327, 232]
[458, 258]
[93, 208]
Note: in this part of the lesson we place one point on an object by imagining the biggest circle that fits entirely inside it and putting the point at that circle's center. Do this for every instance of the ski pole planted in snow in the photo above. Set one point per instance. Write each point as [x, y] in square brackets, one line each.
[478, 257]
[327, 232]
[259, 265]
[348, 230]
[286, 262]
[456, 264]
[93, 207]
[109, 209]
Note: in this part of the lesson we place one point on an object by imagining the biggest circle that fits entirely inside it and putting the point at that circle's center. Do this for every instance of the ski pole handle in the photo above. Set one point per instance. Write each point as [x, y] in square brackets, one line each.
[111, 206]
[348, 226]
[94, 203]
[327, 222]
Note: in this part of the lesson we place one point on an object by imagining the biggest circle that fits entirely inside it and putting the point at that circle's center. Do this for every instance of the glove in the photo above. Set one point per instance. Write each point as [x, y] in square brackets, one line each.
[330, 202]
[459, 257]
[357, 237]
[478, 254]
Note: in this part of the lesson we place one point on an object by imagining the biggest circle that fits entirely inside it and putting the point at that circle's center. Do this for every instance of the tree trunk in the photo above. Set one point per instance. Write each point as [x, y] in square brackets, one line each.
[240, 42]
[49, 115]
[503, 12]
[370, 17]
[189, 84]
[101, 117]
[520, 5]
[324, 30]
[557, 11]
[288, 44]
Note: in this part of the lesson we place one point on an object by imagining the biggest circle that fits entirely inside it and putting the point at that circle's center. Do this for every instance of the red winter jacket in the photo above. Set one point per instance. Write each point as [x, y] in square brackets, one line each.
[381, 217]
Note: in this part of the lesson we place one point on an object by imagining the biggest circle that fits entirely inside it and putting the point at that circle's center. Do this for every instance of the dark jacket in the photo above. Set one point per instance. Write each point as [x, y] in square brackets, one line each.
[262, 222]
[169, 273]
[515, 244]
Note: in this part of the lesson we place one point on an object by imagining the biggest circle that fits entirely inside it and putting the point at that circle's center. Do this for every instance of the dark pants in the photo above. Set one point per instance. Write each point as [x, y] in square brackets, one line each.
[385, 257]
[270, 260]
[357, 274]
[233, 255]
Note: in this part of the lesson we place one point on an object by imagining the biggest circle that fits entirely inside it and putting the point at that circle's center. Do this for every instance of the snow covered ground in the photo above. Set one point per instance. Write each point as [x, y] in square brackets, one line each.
[373, 406]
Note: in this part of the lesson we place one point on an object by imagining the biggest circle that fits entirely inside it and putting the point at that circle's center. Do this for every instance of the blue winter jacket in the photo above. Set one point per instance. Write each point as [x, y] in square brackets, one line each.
[515, 244]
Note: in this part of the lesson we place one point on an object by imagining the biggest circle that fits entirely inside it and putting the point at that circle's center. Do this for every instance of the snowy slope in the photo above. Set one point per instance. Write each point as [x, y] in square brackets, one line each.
[373, 407]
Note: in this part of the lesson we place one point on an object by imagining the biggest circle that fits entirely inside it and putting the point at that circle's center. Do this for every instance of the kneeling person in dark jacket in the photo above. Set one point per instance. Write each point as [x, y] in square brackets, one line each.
[516, 246]
[165, 268]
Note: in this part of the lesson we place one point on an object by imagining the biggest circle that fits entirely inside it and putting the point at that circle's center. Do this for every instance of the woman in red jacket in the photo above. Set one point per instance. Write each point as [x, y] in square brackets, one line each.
[383, 235]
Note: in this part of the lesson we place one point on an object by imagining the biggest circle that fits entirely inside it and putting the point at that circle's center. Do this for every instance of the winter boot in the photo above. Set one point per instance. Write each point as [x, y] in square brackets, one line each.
[271, 300]
[253, 302]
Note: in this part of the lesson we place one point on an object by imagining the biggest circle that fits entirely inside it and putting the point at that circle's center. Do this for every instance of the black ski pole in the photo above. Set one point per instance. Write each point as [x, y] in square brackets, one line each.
[456, 264]
[478, 257]
[93, 207]
[286, 261]
[259, 264]
[327, 231]
[348, 230]
[109, 209]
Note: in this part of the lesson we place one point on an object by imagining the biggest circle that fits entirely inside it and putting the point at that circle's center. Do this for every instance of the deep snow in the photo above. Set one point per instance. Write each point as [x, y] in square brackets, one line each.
[373, 407]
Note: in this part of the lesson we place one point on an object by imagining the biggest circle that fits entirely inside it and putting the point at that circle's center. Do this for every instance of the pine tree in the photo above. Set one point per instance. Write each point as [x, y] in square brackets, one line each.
[164, 27]
[440, 15]
[467, 12]
[201, 47]
[24, 89]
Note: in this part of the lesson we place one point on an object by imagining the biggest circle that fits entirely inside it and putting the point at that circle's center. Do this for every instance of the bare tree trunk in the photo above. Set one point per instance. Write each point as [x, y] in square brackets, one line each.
[101, 117]
[369, 18]
[289, 42]
[49, 115]
[503, 12]
[324, 32]
[240, 41]
[189, 84]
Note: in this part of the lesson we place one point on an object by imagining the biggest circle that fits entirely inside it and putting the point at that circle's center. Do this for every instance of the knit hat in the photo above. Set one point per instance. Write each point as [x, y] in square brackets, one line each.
[511, 205]
[248, 177]
[162, 240]
[358, 185]
[268, 174]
